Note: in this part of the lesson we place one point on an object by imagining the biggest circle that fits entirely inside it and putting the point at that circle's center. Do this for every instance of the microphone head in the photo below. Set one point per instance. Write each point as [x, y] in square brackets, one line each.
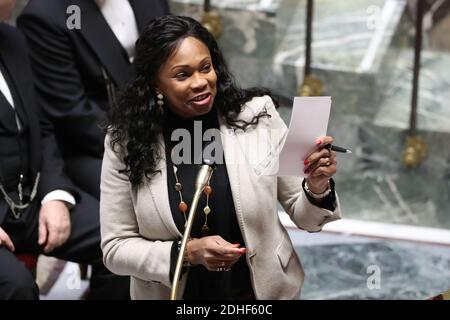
[207, 158]
[209, 161]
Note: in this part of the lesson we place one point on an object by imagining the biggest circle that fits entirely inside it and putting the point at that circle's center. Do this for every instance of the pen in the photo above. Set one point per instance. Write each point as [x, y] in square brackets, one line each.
[337, 149]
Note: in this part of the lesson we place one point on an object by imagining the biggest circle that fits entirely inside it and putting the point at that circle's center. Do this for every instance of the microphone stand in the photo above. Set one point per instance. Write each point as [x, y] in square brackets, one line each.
[203, 177]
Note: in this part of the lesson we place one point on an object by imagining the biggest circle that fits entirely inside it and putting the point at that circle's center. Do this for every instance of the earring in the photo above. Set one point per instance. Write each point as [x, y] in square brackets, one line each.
[160, 102]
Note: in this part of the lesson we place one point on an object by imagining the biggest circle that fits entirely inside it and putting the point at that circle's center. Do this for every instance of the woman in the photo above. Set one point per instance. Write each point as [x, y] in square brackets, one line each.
[239, 249]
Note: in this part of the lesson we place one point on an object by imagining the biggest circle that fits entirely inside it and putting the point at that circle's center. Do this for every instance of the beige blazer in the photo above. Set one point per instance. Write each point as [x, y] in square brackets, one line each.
[137, 227]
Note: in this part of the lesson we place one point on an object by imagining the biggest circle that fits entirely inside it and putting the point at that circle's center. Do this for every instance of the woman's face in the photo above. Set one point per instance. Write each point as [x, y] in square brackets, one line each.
[188, 80]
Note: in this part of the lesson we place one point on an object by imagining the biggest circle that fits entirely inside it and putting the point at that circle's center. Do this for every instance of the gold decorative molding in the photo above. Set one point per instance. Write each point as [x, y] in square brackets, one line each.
[211, 21]
[415, 151]
[442, 296]
[311, 87]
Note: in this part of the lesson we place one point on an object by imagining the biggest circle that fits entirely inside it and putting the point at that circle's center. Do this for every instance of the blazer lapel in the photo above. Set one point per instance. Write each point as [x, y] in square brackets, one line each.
[241, 172]
[160, 193]
[143, 15]
[103, 42]
[7, 119]
[13, 67]
[22, 91]
[233, 157]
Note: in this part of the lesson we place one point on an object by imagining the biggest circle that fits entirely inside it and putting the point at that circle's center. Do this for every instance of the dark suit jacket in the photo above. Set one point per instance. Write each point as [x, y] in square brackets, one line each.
[44, 155]
[68, 65]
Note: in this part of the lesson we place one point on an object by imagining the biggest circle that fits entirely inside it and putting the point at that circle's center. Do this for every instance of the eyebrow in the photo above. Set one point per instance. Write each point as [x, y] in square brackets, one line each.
[188, 66]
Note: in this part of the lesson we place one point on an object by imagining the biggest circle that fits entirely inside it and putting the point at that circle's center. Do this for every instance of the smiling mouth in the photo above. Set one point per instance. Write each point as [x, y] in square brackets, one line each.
[201, 97]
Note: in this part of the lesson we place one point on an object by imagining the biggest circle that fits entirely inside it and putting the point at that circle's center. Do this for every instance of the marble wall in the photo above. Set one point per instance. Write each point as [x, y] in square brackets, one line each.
[339, 267]
[362, 51]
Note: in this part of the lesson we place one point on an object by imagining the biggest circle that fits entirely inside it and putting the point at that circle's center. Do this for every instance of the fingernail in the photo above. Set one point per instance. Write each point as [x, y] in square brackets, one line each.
[306, 162]
[243, 250]
[236, 244]
[319, 142]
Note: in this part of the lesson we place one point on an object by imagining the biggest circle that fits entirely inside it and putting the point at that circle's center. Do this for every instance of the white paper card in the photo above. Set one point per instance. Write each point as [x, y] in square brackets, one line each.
[309, 121]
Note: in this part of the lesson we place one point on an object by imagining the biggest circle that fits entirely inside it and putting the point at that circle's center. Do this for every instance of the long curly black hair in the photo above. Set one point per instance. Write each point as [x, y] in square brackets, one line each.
[134, 123]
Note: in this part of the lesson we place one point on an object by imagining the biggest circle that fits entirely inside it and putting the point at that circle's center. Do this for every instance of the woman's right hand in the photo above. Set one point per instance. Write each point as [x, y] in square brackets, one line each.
[213, 252]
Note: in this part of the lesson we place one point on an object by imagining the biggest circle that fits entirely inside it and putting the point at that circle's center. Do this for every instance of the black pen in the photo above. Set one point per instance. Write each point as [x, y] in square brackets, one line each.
[337, 149]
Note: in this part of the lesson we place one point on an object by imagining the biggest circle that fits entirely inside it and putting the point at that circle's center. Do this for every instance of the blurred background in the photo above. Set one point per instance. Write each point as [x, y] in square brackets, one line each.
[390, 107]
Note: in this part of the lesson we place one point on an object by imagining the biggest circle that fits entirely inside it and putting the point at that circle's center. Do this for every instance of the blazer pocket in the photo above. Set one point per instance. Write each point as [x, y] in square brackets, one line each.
[284, 251]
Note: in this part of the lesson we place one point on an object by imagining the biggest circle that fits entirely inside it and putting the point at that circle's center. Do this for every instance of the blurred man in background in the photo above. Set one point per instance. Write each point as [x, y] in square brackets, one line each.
[81, 52]
[41, 210]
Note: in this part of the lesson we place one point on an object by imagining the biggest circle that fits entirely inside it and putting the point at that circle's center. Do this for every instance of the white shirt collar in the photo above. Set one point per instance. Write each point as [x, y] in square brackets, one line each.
[5, 89]
[121, 19]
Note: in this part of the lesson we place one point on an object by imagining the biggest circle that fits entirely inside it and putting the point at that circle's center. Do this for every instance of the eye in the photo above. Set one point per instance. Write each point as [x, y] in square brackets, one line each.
[206, 68]
[181, 76]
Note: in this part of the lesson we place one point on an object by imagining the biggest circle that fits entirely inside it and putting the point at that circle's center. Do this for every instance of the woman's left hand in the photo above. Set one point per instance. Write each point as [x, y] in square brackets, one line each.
[320, 165]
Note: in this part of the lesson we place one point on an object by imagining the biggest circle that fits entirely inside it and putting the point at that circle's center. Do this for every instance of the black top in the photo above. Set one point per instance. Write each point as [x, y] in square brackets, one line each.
[201, 283]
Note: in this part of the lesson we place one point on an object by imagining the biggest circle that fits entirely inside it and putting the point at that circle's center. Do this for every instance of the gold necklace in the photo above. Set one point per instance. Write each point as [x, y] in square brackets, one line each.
[183, 207]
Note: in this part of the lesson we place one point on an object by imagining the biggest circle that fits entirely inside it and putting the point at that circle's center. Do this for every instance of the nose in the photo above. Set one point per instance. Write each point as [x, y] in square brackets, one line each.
[199, 81]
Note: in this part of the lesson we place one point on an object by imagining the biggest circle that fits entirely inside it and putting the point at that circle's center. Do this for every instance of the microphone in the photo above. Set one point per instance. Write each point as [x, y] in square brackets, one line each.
[205, 171]
[203, 176]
